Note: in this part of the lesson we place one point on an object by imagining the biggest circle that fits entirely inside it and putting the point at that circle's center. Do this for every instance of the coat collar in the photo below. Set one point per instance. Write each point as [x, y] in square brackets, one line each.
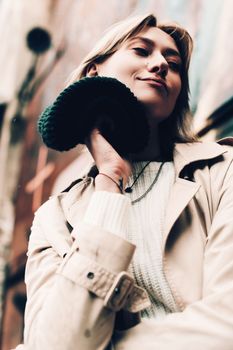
[184, 154]
[187, 153]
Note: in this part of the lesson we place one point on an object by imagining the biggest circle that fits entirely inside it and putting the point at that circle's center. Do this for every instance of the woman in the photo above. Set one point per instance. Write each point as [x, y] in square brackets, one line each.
[151, 266]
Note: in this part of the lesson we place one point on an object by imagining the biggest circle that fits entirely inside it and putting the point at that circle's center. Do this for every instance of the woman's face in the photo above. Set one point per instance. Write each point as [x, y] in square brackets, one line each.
[149, 64]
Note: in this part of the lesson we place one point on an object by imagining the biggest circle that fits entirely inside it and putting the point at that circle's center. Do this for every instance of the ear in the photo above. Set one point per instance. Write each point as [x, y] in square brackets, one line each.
[92, 70]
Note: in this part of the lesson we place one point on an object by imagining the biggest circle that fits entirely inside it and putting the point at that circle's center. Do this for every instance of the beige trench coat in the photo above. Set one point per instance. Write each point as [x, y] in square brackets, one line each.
[75, 279]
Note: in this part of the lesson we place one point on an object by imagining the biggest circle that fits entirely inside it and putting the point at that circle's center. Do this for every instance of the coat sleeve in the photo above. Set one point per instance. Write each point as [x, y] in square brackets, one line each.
[208, 323]
[71, 304]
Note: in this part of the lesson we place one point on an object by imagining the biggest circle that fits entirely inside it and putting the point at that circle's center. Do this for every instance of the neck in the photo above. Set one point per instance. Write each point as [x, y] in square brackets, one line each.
[152, 150]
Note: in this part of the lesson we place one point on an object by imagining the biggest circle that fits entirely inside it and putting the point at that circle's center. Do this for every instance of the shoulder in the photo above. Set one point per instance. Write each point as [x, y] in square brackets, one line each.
[60, 208]
[73, 192]
[52, 225]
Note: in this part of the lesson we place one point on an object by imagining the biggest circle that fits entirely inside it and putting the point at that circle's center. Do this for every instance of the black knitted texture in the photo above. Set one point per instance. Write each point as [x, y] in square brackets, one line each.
[92, 102]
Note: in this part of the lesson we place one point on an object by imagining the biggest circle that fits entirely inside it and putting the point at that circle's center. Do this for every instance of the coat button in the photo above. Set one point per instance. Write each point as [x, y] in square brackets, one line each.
[90, 275]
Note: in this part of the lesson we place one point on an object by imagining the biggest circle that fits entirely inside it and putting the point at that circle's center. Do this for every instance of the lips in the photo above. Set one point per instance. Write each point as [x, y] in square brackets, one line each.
[156, 82]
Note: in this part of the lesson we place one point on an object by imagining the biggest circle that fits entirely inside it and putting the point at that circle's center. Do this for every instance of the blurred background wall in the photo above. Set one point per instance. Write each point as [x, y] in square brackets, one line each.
[32, 77]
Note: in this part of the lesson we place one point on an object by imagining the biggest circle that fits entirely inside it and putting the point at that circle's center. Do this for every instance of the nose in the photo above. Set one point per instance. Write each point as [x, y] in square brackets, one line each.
[158, 65]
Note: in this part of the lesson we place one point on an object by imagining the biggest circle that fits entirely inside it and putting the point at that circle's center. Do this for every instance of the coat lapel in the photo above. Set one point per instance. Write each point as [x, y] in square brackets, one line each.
[184, 190]
[181, 194]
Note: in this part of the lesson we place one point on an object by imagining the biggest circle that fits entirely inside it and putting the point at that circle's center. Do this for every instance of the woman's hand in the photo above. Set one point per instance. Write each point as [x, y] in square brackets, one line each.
[108, 162]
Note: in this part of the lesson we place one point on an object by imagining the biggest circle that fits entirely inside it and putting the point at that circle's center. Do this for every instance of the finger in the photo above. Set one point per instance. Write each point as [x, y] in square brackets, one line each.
[89, 139]
[99, 143]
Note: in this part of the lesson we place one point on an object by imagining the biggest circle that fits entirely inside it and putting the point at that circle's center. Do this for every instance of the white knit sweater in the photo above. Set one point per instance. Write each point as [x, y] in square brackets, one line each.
[142, 224]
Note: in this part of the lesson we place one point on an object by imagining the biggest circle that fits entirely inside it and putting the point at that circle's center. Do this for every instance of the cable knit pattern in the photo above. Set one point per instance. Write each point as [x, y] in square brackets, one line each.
[142, 224]
[108, 210]
[145, 229]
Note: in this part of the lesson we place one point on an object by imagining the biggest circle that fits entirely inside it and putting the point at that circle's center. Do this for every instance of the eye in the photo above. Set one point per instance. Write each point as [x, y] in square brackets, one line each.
[141, 51]
[174, 66]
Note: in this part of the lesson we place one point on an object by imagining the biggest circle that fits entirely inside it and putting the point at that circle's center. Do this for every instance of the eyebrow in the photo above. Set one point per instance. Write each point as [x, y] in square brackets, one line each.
[168, 51]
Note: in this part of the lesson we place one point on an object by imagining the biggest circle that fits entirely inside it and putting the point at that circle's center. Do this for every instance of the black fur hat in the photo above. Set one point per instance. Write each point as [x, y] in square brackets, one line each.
[99, 102]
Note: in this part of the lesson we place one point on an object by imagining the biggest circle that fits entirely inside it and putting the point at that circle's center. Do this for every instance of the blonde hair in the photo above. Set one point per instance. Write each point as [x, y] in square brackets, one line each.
[177, 127]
